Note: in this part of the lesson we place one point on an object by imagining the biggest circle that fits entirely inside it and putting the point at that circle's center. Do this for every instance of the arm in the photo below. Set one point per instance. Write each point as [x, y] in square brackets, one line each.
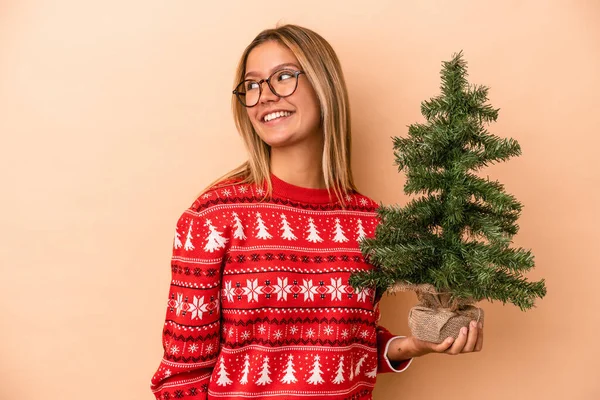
[191, 334]
[389, 360]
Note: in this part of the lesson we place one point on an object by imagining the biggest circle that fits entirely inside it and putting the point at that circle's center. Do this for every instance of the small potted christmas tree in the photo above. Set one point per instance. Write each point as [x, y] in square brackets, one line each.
[452, 243]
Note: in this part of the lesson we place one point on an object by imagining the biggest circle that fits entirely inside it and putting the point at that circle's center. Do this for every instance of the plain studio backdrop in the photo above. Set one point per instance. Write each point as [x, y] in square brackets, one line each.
[115, 114]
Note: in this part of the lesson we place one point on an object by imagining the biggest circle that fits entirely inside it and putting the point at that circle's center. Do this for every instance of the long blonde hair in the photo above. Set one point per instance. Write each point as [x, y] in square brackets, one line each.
[323, 70]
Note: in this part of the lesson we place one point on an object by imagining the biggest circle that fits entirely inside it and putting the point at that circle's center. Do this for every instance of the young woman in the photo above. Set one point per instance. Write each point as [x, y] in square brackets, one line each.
[259, 303]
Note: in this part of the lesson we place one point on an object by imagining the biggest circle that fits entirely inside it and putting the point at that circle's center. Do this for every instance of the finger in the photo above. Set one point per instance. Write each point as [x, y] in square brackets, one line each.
[471, 338]
[459, 343]
[479, 344]
[445, 345]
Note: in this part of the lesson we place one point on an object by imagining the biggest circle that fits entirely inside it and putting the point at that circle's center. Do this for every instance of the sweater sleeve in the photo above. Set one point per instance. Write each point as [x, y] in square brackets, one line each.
[191, 333]
[384, 338]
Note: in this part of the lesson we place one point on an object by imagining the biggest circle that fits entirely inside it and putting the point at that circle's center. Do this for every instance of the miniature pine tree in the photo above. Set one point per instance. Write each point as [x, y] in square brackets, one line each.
[457, 235]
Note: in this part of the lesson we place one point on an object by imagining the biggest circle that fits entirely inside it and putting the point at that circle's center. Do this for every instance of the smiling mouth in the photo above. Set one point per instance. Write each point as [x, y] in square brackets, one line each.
[276, 116]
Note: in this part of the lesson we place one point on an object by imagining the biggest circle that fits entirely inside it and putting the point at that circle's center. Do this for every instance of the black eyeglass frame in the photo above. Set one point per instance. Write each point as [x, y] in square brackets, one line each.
[238, 94]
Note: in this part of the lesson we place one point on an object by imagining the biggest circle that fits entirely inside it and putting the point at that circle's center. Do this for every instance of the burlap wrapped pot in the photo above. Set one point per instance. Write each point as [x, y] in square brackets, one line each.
[436, 317]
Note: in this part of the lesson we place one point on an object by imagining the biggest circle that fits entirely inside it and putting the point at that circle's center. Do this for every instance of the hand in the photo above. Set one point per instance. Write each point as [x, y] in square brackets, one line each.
[467, 342]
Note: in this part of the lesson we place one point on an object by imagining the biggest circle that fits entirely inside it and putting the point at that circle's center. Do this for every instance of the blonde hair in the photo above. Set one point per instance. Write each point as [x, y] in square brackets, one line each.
[324, 72]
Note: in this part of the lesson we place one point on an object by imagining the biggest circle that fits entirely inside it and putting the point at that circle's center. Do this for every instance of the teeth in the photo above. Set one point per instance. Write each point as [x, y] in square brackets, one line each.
[277, 114]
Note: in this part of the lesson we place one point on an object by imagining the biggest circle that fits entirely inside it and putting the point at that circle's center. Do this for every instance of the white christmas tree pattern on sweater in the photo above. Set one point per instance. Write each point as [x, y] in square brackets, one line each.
[246, 370]
[223, 379]
[264, 378]
[215, 239]
[239, 228]
[177, 241]
[359, 364]
[372, 373]
[339, 377]
[288, 233]
[313, 233]
[360, 231]
[188, 240]
[289, 376]
[316, 372]
[339, 233]
[261, 228]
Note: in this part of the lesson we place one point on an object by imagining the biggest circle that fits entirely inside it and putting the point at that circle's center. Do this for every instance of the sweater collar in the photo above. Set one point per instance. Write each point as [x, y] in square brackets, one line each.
[286, 190]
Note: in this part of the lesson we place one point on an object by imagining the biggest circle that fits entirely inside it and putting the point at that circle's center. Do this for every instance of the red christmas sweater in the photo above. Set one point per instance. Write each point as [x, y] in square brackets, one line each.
[259, 303]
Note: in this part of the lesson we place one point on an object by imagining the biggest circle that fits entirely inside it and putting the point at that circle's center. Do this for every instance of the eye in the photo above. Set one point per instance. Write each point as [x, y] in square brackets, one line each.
[251, 85]
[283, 75]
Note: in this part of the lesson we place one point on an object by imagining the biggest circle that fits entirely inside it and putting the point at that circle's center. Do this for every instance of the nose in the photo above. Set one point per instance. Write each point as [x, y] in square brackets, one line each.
[267, 94]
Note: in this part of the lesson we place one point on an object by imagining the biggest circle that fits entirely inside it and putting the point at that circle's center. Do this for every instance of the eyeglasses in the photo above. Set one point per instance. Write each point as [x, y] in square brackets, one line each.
[283, 83]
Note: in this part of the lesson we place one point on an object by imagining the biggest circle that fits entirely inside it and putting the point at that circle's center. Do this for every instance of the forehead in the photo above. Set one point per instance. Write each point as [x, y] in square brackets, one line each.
[266, 57]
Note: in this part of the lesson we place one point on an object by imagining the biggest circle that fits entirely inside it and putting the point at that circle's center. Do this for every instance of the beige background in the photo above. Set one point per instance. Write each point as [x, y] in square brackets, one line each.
[115, 114]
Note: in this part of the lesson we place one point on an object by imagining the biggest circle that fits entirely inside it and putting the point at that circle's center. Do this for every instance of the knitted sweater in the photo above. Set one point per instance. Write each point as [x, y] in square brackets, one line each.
[259, 303]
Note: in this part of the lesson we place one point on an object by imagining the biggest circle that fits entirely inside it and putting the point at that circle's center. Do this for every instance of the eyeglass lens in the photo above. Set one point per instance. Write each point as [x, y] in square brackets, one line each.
[283, 84]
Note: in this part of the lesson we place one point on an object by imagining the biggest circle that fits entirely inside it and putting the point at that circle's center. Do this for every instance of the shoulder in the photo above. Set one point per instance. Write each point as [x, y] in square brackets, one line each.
[362, 202]
[226, 194]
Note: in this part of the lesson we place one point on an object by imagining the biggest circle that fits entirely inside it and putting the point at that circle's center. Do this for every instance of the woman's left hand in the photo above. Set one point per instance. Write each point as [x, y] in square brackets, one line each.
[469, 340]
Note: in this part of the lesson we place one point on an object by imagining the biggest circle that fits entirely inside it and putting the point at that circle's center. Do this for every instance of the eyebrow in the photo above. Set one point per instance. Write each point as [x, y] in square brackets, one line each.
[275, 68]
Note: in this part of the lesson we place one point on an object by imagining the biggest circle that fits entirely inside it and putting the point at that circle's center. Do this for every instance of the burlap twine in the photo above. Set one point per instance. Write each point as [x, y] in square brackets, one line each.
[436, 317]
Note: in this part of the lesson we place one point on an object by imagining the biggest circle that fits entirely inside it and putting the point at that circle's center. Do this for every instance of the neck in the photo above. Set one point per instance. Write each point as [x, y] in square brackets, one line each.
[300, 165]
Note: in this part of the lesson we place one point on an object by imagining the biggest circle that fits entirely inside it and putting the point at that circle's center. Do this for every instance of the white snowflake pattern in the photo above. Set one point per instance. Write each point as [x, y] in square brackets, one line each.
[294, 329]
[364, 334]
[336, 289]
[245, 335]
[193, 348]
[252, 290]
[242, 189]
[363, 202]
[228, 292]
[345, 333]
[260, 191]
[328, 330]
[310, 332]
[262, 329]
[277, 335]
[206, 195]
[209, 348]
[362, 295]
[282, 288]
[226, 192]
[348, 198]
[168, 373]
[174, 349]
[179, 304]
[230, 334]
[308, 289]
